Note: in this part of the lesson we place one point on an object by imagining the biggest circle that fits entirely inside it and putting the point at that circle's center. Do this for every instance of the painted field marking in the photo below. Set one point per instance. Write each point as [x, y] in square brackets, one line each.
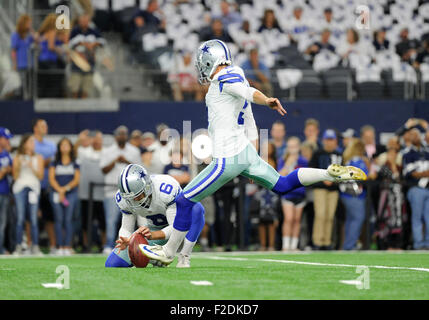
[53, 285]
[202, 283]
[352, 282]
[312, 263]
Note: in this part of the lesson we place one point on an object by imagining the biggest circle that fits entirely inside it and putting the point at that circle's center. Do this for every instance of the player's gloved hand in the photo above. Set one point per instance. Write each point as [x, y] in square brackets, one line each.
[157, 263]
[122, 243]
[145, 231]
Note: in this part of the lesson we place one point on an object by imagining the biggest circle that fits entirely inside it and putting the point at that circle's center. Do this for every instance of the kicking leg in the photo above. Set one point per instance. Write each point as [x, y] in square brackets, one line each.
[204, 184]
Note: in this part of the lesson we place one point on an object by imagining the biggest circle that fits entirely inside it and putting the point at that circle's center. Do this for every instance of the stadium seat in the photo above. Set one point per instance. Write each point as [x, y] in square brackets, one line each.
[369, 90]
[338, 83]
[310, 87]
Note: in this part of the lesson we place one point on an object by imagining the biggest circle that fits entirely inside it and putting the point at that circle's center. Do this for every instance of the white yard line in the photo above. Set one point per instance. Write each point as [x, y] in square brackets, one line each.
[310, 263]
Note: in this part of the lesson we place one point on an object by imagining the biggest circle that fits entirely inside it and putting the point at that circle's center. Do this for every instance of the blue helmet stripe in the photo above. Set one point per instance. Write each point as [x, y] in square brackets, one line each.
[126, 174]
[224, 48]
[122, 185]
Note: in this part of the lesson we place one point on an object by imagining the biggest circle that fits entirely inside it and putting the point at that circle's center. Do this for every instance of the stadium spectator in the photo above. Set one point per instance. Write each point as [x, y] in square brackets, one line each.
[47, 150]
[297, 26]
[216, 31]
[347, 136]
[391, 209]
[416, 172]
[311, 133]
[147, 139]
[177, 169]
[50, 77]
[278, 135]
[89, 160]
[269, 21]
[406, 48]
[27, 171]
[321, 45]
[149, 17]
[22, 60]
[113, 159]
[326, 192]
[84, 40]
[380, 42]
[160, 150]
[64, 176]
[352, 45]
[227, 15]
[269, 207]
[257, 73]
[293, 202]
[183, 78]
[307, 150]
[423, 54]
[5, 171]
[136, 139]
[367, 134]
[353, 194]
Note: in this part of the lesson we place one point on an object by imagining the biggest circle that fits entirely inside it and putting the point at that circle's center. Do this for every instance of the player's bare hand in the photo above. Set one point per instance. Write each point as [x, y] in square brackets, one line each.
[122, 243]
[145, 231]
[275, 104]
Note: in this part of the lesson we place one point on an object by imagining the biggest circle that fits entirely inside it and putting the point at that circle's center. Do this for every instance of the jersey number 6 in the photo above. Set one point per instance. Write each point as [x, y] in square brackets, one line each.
[166, 188]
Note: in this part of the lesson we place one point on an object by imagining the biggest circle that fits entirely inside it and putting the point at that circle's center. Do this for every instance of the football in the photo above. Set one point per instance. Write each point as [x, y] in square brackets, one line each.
[138, 259]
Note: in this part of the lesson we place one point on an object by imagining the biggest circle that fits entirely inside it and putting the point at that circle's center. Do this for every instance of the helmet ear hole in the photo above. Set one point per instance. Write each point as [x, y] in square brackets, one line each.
[208, 64]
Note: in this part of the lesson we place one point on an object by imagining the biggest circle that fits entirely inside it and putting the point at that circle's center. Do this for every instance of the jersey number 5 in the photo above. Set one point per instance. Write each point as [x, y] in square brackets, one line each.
[166, 188]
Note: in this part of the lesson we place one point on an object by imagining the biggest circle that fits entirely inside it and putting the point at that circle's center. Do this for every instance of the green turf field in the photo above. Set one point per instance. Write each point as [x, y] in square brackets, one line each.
[233, 276]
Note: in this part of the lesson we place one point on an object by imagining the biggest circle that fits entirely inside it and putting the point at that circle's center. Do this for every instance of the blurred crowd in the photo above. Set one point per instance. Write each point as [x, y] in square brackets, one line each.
[163, 35]
[47, 190]
[61, 59]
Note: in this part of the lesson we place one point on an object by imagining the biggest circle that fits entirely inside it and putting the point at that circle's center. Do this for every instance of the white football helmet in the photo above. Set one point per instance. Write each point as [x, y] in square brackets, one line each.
[209, 55]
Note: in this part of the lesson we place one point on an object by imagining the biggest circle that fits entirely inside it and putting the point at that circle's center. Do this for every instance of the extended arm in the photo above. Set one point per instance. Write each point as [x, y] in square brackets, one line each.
[254, 95]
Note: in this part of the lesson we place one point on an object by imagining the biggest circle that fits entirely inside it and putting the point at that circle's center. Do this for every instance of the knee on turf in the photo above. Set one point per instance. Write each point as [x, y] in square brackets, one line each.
[115, 261]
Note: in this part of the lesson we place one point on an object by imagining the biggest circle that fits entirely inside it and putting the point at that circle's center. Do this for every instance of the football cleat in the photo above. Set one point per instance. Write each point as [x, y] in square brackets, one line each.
[344, 173]
[155, 253]
[184, 261]
[157, 264]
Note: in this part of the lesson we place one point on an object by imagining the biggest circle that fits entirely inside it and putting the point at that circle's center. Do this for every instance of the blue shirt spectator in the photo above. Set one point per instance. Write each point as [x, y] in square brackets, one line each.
[20, 43]
[249, 69]
[64, 174]
[5, 161]
[47, 149]
[22, 50]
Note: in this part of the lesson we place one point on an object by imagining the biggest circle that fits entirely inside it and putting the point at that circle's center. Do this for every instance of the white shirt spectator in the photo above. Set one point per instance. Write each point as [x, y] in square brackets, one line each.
[108, 155]
[90, 171]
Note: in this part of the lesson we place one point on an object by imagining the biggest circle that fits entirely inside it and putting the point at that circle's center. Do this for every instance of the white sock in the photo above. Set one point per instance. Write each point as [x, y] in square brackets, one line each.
[286, 243]
[187, 247]
[176, 238]
[294, 243]
[308, 176]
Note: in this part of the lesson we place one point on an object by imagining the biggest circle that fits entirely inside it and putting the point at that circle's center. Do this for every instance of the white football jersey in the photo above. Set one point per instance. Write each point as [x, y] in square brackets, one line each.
[160, 211]
[230, 117]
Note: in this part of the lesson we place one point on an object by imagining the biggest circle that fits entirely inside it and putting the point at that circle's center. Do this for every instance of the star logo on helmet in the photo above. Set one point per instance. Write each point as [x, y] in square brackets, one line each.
[142, 174]
[205, 49]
